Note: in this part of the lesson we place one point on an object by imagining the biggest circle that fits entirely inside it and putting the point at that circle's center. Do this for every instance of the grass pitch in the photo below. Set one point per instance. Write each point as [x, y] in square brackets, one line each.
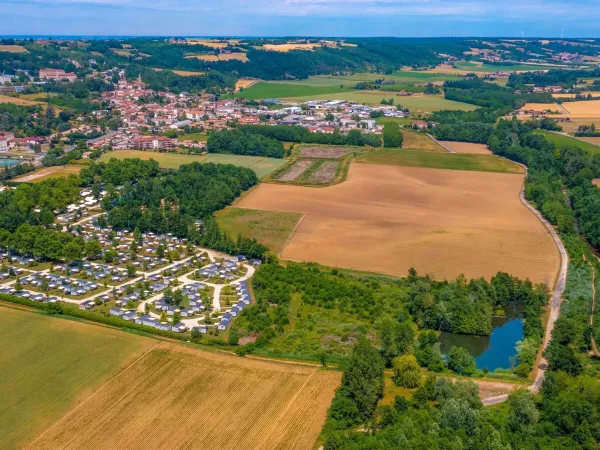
[562, 141]
[49, 364]
[416, 102]
[271, 228]
[438, 160]
[262, 166]
[49, 172]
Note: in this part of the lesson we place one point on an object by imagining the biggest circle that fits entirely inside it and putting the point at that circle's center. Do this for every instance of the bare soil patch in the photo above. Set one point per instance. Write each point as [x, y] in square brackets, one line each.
[185, 398]
[297, 169]
[325, 173]
[468, 148]
[387, 219]
[325, 152]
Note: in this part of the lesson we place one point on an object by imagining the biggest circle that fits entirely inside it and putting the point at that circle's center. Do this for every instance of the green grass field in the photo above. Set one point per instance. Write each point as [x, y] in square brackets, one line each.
[328, 84]
[491, 68]
[271, 228]
[437, 160]
[418, 102]
[196, 137]
[48, 364]
[47, 173]
[562, 141]
[277, 90]
[262, 166]
[399, 120]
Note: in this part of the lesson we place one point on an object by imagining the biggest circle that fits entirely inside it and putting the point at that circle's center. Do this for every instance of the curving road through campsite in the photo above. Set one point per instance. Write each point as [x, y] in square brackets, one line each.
[557, 297]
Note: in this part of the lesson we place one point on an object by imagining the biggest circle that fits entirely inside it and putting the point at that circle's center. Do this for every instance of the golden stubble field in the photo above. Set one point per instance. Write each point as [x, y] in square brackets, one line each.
[387, 219]
[185, 398]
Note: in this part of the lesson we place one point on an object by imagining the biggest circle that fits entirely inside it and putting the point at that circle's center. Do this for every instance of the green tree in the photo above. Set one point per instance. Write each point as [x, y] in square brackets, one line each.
[407, 372]
[460, 361]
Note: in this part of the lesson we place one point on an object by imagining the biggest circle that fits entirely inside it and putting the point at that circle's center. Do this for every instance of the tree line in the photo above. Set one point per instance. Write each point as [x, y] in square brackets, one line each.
[296, 133]
[240, 142]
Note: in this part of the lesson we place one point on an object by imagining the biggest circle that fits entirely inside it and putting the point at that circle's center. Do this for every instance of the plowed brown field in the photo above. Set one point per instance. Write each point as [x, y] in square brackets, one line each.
[467, 147]
[388, 219]
[184, 398]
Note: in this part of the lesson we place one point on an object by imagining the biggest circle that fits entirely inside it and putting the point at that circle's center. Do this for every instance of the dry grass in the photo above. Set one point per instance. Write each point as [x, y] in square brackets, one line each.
[443, 222]
[13, 49]
[183, 73]
[320, 152]
[221, 57]
[287, 47]
[212, 44]
[468, 148]
[126, 53]
[596, 182]
[295, 170]
[575, 122]
[244, 83]
[591, 140]
[325, 173]
[49, 172]
[19, 101]
[420, 141]
[185, 398]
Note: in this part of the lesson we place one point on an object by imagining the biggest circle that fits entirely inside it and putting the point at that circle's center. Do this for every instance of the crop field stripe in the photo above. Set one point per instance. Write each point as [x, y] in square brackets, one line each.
[46, 366]
[244, 400]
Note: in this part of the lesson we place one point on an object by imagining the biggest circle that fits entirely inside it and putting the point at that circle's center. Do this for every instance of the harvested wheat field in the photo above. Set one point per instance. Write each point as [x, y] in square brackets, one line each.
[287, 47]
[420, 141]
[185, 398]
[583, 108]
[221, 57]
[387, 219]
[468, 148]
[244, 83]
[13, 49]
[591, 140]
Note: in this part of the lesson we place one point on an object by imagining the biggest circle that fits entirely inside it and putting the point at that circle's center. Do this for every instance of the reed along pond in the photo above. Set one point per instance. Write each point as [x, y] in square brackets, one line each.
[494, 351]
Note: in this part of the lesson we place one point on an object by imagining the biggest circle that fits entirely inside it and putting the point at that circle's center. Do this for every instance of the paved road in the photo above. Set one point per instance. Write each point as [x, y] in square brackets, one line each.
[557, 298]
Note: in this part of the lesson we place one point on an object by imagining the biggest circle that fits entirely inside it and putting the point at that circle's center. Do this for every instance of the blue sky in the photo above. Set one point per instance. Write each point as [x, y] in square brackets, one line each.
[534, 18]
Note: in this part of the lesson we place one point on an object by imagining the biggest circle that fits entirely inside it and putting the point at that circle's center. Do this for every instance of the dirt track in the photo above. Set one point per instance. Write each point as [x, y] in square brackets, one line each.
[555, 303]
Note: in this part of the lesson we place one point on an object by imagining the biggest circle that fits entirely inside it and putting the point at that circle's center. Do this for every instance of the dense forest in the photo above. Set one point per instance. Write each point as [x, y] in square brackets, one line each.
[173, 202]
[285, 133]
[241, 142]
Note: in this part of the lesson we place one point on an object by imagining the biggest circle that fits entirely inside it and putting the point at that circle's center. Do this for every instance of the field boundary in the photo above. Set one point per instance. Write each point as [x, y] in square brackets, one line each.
[556, 301]
[291, 235]
[448, 149]
[343, 166]
[89, 397]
